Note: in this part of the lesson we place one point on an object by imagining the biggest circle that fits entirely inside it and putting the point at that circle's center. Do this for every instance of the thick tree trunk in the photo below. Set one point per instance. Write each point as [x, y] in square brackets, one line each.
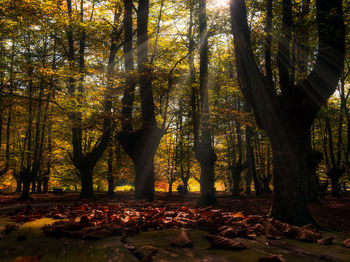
[87, 189]
[39, 186]
[335, 174]
[45, 185]
[33, 186]
[207, 157]
[18, 185]
[26, 186]
[335, 186]
[290, 167]
[185, 183]
[236, 178]
[141, 146]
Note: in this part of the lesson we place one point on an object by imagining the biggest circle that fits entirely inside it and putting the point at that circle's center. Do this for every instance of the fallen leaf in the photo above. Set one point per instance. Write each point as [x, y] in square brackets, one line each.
[272, 258]
[346, 243]
[325, 241]
[303, 234]
[182, 240]
[224, 242]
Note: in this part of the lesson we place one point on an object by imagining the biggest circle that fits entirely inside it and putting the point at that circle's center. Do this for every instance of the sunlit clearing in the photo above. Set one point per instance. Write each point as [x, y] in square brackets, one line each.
[218, 3]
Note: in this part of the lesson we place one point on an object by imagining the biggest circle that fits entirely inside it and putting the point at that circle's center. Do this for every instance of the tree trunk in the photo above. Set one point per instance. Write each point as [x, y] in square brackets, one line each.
[170, 190]
[45, 185]
[144, 176]
[290, 167]
[185, 183]
[39, 186]
[33, 186]
[110, 177]
[18, 185]
[251, 160]
[141, 146]
[335, 186]
[87, 189]
[26, 186]
[207, 162]
[204, 151]
[236, 178]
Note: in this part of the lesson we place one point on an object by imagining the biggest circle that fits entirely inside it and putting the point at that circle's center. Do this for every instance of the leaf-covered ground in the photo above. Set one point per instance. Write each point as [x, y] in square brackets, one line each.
[172, 228]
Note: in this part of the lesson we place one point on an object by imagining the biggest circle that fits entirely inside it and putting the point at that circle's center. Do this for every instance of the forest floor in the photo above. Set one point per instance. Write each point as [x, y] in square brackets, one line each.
[22, 235]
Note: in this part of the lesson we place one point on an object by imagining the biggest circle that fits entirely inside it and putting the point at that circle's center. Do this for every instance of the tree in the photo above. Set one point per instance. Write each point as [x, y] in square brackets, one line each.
[286, 115]
[141, 144]
[203, 149]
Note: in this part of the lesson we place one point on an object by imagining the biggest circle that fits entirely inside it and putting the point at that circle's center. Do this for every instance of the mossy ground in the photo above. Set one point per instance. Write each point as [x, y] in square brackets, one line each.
[111, 249]
[36, 243]
[292, 250]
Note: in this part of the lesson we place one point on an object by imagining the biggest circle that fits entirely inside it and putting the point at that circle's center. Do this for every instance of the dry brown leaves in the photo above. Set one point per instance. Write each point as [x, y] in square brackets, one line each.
[182, 240]
[346, 243]
[98, 220]
[224, 242]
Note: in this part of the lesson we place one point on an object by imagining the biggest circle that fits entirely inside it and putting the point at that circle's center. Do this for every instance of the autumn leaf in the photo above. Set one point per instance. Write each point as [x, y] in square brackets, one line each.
[325, 241]
[182, 240]
[224, 242]
[346, 243]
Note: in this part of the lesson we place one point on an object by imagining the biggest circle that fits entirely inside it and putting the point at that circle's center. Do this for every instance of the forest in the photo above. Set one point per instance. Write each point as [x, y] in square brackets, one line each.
[124, 111]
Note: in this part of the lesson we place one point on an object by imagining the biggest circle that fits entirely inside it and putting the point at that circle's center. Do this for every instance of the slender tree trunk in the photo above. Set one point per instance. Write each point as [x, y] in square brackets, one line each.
[8, 132]
[251, 160]
[204, 152]
[110, 177]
